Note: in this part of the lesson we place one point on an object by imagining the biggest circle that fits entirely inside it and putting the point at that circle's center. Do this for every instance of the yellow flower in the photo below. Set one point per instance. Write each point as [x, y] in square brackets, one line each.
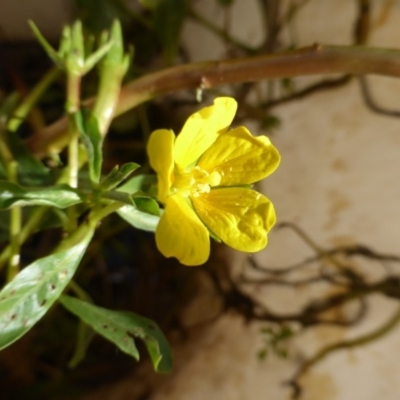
[203, 181]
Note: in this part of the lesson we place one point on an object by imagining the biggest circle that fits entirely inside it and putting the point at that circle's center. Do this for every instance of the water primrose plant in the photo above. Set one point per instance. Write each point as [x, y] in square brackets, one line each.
[204, 184]
[204, 178]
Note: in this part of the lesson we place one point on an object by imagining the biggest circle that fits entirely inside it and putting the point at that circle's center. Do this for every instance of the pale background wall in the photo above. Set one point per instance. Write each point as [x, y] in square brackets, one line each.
[49, 16]
[339, 180]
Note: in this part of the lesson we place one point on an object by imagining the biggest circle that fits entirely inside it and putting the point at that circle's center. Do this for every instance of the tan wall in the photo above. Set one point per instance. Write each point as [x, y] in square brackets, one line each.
[340, 181]
[49, 16]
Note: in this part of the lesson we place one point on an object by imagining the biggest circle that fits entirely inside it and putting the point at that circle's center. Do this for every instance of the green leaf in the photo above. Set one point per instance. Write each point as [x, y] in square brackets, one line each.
[147, 205]
[60, 196]
[143, 183]
[52, 53]
[89, 130]
[121, 328]
[31, 171]
[168, 21]
[138, 219]
[85, 335]
[34, 290]
[119, 196]
[118, 175]
[270, 122]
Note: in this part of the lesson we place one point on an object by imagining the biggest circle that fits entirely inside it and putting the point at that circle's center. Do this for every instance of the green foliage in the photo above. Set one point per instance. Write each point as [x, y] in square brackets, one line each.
[30, 170]
[122, 328]
[117, 176]
[33, 291]
[59, 196]
[91, 137]
[98, 15]
[139, 219]
[71, 53]
[275, 341]
[143, 183]
[168, 22]
[76, 207]
[270, 122]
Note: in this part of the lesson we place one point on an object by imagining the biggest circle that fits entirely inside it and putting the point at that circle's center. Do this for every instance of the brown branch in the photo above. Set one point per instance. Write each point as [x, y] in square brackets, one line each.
[316, 59]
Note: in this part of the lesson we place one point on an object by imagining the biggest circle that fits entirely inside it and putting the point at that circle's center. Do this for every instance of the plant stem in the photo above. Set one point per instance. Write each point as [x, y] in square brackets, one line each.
[29, 102]
[72, 108]
[316, 59]
[24, 233]
[80, 293]
[15, 228]
[11, 168]
[97, 214]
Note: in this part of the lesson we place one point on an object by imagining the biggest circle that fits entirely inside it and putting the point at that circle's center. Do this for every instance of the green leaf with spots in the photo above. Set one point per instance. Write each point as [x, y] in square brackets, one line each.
[34, 290]
[121, 328]
[59, 196]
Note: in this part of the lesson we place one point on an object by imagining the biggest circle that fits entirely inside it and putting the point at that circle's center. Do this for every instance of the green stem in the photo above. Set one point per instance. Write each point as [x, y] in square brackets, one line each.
[24, 233]
[80, 293]
[73, 154]
[101, 212]
[107, 99]
[15, 229]
[11, 168]
[93, 220]
[29, 102]
[72, 108]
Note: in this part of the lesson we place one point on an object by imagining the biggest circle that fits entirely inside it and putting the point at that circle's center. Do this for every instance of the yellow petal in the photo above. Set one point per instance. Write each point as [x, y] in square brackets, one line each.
[240, 217]
[181, 234]
[202, 129]
[240, 158]
[160, 149]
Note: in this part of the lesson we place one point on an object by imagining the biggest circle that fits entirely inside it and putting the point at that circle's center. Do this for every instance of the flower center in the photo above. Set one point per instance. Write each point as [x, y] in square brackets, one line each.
[194, 182]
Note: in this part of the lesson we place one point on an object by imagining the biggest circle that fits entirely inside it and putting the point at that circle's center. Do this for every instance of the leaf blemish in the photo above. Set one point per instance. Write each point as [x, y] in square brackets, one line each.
[53, 286]
[43, 302]
[105, 326]
[63, 275]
